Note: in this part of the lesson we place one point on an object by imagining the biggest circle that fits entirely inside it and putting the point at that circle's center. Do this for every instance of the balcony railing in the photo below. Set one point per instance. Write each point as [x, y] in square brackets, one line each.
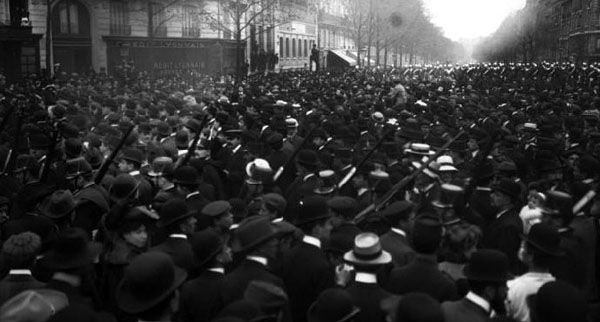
[120, 30]
[192, 32]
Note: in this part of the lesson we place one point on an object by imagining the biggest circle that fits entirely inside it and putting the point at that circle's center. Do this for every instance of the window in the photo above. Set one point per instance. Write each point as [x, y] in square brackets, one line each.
[159, 20]
[119, 18]
[280, 46]
[294, 47]
[305, 48]
[190, 22]
[287, 47]
[70, 17]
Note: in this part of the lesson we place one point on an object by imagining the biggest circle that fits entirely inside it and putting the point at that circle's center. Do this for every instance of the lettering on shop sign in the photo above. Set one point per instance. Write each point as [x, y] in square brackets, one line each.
[156, 44]
[171, 66]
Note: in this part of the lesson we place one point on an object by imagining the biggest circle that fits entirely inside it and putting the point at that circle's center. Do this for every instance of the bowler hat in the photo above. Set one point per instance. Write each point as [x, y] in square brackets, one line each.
[206, 244]
[332, 305]
[487, 265]
[558, 301]
[312, 208]
[76, 167]
[327, 182]
[419, 307]
[308, 158]
[149, 279]
[367, 251]
[186, 175]
[123, 186]
[545, 238]
[59, 204]
[172, 211]
[71, 249]
[426, 233]
[251, 233]
[509, 188]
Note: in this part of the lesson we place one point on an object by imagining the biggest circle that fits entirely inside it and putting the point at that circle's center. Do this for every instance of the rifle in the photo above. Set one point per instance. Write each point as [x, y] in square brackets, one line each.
[293, 156]
[376, 206]
[106, 164]
[194, 145]
[49, 156]
[353, 170]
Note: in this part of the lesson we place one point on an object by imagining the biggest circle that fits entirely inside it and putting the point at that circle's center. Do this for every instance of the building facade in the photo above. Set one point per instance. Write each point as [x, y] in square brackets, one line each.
[164, 36]
[573, 28]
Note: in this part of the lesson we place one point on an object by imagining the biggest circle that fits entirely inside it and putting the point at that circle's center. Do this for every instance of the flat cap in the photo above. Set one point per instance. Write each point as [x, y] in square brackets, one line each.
[275, 200]
[216, 208]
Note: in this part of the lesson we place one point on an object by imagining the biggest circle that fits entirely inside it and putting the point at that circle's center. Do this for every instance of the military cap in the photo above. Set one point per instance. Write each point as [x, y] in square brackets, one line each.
[216, 208]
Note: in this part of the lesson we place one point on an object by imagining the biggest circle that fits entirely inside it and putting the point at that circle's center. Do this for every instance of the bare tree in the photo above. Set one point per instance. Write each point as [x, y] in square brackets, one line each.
[243, 14]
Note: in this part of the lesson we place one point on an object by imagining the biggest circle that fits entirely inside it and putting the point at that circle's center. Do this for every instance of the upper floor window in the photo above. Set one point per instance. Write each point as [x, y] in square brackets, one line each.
[159, 19]
[190, 22]
[70, 17]
[119, 18]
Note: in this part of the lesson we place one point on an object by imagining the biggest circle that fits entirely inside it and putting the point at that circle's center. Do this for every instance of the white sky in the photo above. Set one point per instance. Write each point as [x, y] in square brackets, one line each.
[470, 18]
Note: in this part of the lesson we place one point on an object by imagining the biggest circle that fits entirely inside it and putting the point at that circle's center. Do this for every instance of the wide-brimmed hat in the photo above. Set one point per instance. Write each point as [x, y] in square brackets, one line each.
[446, 164]
[251, 233]
[71, 249]
[327, 182]
[206, 244]
[449, 193]
[545, 238]
[312, 208]
[149, 279]
[258, 171]
[59, 204]
[509, 188]
[33, 306]
[332, 305]
[186, 175]
[419, 149]
[172, 211]
[488, 265]
[276, 201]
[367, 251]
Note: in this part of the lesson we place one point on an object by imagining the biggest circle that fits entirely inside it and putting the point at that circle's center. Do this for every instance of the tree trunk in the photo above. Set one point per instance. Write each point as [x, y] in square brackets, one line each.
[385, 54]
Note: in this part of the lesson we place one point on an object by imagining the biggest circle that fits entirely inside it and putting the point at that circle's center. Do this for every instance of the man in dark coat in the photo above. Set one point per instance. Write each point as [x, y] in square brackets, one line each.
[306, 270]
[178, 222]
[70, 262]
[395, 241]
[343, 210]
[18, 255]
[487, 273]
[305, 183]
[255, 240]
[187, 182]
[504, 232]
[200, 298]
[422, 274]
[367, 258]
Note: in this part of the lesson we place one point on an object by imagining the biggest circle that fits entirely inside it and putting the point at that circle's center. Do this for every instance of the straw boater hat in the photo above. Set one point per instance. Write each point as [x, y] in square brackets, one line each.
[367, 251]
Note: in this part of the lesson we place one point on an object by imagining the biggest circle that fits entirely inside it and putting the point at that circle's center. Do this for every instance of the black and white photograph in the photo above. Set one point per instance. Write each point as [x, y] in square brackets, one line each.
[299, 160]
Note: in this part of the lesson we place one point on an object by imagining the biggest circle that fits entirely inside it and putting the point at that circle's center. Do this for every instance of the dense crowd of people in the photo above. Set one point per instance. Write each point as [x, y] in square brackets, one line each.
[423, 193]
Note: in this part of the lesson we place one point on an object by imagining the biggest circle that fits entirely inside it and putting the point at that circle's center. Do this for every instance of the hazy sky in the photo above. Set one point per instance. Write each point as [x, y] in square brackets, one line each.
[470, 18]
